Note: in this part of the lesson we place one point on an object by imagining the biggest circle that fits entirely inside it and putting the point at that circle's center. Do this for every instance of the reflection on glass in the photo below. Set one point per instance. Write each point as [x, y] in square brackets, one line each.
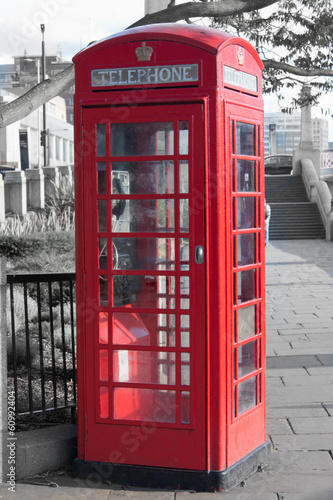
[246, 217]
[103, 328]
[144, 367]
[102, 252]
[185, 408]
[247, 391]
[184, 215]
[247, 358]
[183, 177]
[145, 253]
[184, 254]
[246, 249]
[103, 365]
[103, 290]
[245, 175]
[145, 177]
[126, 287]
[166, 338]
[147, 405]
[246, 285]
[142, 139]
[183, 138]
[246, 322]
[101, 177]
[146, 216]
[245, 134]
[166, 292]
[104, 402]
[185, 292]
[185, 368]
[100, 130]
[102, 216]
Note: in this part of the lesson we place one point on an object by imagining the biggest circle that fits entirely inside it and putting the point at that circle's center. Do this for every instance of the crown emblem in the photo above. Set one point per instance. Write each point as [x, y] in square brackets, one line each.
[240, 57]
[144, 53]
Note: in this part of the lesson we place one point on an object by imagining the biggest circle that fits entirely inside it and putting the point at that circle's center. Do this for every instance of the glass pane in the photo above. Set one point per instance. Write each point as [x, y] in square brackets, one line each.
[145, 177]
[185, 330]
[245, 175]
[246, 249]
[185, 407]
[247, 358]
[142, 329]
[144, 216]
[183, 138]
[246, 216]
[142, 139]
[103, 328]
[246, 322]
[102, 253]
[144, 253]
[144, 367]
[103, 365]
[246, 285]
[184, 254]
[183, 177]
[185, 368]
[185, 292]
[144, 291]
[103, 290]
[245, 134]
[100, 129]
[101, 177]
[102, 216]
[145, 404]
[247, 395]
[104, 402]
[184, 215]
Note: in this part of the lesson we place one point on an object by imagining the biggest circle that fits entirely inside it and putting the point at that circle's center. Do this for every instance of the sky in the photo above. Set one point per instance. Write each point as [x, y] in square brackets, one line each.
[70, 25]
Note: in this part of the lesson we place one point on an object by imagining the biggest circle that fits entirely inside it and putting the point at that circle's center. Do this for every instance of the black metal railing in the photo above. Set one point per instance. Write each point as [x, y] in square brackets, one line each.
[41, 342]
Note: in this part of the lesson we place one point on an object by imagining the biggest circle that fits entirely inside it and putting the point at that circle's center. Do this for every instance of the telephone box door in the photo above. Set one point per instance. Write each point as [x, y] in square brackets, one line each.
[144, 326]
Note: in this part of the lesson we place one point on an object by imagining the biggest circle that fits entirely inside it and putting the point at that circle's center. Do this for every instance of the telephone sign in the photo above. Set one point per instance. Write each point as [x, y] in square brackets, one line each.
[170, 258]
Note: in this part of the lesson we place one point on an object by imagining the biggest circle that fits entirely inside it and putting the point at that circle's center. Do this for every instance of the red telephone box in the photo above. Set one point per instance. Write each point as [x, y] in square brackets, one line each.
[170, 258]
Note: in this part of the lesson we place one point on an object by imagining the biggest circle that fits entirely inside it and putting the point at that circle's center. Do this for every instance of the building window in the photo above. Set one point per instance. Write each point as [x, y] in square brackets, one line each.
[64, 151]
[58, 140]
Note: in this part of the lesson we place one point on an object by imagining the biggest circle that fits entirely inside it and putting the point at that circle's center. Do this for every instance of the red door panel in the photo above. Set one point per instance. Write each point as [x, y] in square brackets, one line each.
[144, 346]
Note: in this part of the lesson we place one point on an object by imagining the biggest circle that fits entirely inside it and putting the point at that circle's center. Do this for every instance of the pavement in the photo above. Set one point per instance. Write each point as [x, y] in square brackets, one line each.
[299, 288]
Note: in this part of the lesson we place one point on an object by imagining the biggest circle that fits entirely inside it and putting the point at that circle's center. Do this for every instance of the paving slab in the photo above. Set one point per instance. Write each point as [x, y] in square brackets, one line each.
[309, 410]
[318, 425]
[308, 380]
[278, 426]
[302, 442]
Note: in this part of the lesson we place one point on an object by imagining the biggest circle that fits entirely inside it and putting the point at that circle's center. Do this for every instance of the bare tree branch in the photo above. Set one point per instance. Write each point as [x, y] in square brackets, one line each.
[207, 9]
[288, 68]
[36, 96]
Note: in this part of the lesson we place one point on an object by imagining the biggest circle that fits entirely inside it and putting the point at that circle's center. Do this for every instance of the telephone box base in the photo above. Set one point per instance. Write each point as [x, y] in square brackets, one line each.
[176, 479]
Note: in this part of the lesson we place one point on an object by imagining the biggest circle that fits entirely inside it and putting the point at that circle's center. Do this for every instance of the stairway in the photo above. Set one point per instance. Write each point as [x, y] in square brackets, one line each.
[293, 217]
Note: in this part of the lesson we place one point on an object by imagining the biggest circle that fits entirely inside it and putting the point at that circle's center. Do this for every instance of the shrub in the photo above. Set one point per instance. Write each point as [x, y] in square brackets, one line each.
[14, 246]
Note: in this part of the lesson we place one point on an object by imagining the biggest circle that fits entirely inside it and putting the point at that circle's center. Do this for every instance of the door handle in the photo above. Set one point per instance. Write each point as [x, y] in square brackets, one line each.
[199, 254]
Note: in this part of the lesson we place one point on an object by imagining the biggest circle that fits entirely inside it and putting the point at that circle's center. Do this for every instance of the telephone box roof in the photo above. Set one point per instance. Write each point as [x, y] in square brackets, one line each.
[209, 39]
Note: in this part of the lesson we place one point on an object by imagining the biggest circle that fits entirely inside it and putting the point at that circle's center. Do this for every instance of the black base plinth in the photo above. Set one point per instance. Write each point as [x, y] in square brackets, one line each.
[175, 479]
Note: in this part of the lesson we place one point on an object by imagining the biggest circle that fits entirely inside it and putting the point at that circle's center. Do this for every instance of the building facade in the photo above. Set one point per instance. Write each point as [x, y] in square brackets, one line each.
[283, 133]
[20, 144]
